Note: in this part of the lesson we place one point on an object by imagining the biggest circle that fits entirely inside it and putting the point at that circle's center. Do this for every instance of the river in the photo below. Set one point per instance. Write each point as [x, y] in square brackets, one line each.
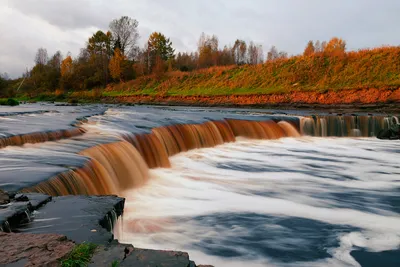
[233, 187]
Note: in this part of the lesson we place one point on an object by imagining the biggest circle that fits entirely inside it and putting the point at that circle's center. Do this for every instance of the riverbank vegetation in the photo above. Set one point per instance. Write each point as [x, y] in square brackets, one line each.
[112, 64]
[8, 102]
[80, 255]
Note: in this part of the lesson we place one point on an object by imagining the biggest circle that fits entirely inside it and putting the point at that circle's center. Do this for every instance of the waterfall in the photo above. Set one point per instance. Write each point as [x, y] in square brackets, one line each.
[39, 137]
[115, 167]
[112, 168]
[345, 126]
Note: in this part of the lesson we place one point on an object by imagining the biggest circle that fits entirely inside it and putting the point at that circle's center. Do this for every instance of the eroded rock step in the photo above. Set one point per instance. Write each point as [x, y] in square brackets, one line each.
[80, 218]
[127, 255]
[16, 210]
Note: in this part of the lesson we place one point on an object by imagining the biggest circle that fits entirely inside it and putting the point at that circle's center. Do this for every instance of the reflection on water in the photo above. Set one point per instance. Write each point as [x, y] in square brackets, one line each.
[289, 202]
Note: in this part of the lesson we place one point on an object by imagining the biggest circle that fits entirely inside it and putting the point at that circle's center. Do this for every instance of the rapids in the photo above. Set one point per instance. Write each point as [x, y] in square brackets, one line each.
[289, 202]
[231, 186]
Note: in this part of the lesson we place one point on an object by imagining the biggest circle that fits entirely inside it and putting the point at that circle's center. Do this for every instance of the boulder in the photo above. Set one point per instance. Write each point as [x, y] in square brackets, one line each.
[390, 134]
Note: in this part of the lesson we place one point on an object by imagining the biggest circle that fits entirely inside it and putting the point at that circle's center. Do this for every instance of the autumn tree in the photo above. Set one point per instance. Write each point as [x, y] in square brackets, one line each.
[255, 54]
[159, 67]
[310, 49]
[99, 48]
[159, 46]
[66, 73]
[45, 75]
[185, 61]
[66, 66]
[336, 46]
[100, 44]
[208, 50]
[239, 51]
[226, 56]
[125, 34]
[115, 64]
[85, 74]
[140, 65]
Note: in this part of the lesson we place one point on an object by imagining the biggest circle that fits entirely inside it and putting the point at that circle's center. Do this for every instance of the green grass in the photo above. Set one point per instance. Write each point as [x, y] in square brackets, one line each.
[8, 102]
[80, 256]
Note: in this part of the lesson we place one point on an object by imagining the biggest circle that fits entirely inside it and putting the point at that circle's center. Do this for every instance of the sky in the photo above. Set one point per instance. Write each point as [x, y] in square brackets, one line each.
[66, 25]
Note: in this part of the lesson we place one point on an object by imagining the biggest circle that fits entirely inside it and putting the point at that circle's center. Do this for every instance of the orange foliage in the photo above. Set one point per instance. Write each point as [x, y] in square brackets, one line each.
[335, 46]
[310, 49]
[369, 68]
[66, 66]
[115, 64]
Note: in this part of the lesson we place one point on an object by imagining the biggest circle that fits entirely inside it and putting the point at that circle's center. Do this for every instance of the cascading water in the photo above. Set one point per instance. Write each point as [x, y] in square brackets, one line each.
[115, 167]
[346, 126]
[119, 166]
[111, 169]
[282, 202]
[40, 137]
[289, 202]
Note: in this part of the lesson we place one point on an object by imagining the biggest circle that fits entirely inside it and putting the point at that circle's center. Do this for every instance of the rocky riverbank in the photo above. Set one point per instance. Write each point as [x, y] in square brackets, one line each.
[39, 230]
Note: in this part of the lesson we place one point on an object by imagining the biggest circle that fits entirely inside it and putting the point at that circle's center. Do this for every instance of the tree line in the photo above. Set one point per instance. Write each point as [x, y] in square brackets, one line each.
[115, 56]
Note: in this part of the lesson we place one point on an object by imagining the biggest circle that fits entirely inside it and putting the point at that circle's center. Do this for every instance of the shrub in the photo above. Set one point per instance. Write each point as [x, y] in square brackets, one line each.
[9, 102]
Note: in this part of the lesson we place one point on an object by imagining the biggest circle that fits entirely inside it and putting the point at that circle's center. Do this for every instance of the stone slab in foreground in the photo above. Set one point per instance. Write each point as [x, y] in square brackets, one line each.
[33, 250]
[106, 256]
[80, 218]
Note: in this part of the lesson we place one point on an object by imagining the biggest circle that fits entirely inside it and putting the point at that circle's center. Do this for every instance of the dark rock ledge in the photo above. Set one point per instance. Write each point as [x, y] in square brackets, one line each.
[45, 229]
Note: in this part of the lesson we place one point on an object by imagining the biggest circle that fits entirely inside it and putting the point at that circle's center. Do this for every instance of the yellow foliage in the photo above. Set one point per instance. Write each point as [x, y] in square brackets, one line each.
[66, 66]
[335, 46]
[115, 64]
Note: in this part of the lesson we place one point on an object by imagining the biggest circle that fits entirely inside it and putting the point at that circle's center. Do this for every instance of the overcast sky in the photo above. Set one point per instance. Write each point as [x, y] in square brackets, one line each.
[65, 25]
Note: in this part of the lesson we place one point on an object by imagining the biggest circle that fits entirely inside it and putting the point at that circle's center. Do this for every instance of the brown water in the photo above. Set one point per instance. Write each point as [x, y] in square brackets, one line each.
[235, 187]
[118, 166]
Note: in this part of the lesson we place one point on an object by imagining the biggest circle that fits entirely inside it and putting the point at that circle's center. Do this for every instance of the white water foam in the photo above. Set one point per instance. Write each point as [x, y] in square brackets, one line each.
[210, 199]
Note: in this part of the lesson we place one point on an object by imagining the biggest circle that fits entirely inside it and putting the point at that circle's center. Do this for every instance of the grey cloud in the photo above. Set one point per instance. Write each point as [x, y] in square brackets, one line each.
[66, 14]
[288, 24]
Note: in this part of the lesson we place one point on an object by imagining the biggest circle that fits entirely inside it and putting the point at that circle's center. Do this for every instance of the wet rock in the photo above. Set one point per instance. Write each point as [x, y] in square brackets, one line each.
[391, 134]
[80, 218]
[4, 198]
[18, 210]
[37, 200]
[21, 198]
[365, 258]
[14, 214]
[115, 252]
[32, 249]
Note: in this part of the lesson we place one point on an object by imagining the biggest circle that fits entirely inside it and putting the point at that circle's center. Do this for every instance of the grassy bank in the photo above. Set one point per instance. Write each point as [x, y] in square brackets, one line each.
[376, 68]
[313, 75]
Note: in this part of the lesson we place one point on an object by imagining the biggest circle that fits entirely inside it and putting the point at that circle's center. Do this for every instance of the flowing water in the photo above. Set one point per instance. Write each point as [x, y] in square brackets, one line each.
[290, 202]
[231, 187]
